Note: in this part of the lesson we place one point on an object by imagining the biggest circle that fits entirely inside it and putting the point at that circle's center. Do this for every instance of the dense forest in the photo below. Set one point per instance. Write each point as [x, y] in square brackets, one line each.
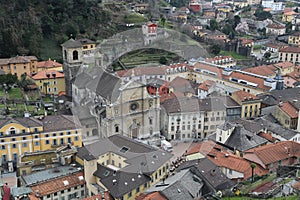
[26, 24]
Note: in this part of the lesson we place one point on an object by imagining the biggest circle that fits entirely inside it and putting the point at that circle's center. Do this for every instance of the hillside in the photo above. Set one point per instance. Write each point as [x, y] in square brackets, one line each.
[38, 27]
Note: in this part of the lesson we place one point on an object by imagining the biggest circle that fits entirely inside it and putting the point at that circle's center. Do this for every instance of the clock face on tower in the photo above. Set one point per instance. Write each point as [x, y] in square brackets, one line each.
[134, 106]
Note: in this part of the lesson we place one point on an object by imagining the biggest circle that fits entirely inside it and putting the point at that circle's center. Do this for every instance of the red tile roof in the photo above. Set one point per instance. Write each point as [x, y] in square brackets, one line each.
[56, 185]
[284, 65]
[290, 13]
[164, 97]
[43, 74]
[151, 196]
[246, 41]
[289, 109]
[272, 153]
[267, 136]
[276, 26]
[48, 64]
[223, 158]
[265, 70]
[245, 96]
[290, 50]
[99, 196]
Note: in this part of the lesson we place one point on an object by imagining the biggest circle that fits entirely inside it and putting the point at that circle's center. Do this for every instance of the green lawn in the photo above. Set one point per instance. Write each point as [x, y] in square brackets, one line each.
[134, 18]
[15, 93]
[233, 54]
[295, 197]
[1, 93]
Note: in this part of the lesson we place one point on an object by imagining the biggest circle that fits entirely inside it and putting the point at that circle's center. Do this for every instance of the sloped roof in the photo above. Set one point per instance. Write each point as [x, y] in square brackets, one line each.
[242, 139]
[290, 49]
[48, 64]
[24, 121]
[151, 196]
[245, 96]
[120, 182]
[272, 153]
[71, 43]
[43, 75]
[56, 185]
[60, 122]
[265, 70]
[289, 109]
[108, 86]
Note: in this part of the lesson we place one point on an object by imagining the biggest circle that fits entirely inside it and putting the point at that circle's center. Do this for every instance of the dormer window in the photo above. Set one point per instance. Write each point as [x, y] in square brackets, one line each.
[12, 131]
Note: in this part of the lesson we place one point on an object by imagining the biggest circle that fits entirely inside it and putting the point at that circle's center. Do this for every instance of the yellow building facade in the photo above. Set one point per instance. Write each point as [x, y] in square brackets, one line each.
[24, 135]
[19, 65]
[50, 81]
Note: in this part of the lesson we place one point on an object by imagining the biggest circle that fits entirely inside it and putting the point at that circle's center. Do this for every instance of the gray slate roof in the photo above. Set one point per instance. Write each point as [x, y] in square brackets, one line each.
[71, 43]
[243, 140]
[274, 96]
[183, 185]
[140, 157]
[210, 173]
[120, 182]
[190, 104]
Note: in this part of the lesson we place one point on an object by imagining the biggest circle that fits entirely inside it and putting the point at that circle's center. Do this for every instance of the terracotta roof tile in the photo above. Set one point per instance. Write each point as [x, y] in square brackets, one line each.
[290, 50]
[43, 75]
[245, 96]
[151, 196]
[246, 41]
[267, 136]
[276, 26]
[265, 70]
[284, 65]
[99, 196]
[272, 153]
[57, 185]
[289, 109]
[48, 64]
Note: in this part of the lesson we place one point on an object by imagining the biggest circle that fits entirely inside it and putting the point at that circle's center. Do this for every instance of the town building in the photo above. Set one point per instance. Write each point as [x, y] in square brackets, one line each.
[290, 54]
[274, 5]
[275, 29]
[73, 53]
[288, 16]
[49, 65]
[294, 38]
[254, 2]
[19, 65]
[225, 61]
[234, 167]
[250, 104]
[185, 118]
[237, 138]
[63, 182]
[272, 156]
[287, 114]
[28, 134]
[50, 81]
[122, 166]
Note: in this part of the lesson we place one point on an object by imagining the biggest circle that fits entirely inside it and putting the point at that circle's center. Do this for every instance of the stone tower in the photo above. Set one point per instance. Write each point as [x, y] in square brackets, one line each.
[72, 60]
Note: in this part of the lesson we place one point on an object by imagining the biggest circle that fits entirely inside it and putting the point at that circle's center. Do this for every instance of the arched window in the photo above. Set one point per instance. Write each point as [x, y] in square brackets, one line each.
[65, 52]
[75, 55]
[117, 128]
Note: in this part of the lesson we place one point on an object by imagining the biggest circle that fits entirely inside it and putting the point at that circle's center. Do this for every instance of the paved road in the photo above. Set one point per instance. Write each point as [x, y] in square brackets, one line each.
[179, 148]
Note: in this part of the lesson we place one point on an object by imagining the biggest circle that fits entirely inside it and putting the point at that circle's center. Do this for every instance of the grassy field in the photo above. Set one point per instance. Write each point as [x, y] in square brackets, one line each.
[234, 55]
[249, 198]
[15, 93]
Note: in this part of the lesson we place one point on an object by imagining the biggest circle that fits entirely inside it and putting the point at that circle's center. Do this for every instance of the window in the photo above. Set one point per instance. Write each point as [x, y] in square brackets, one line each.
[61, 141]
[47, 135]
[145, 185]
[24, 138]
[12, 131]
[69, 140]
[47, 142]
[129, 194]
[24, 144]
[230, 171]
[172, 128]
[76, 138]
[3, 147]
[36, 143]
[54, 142]
[117, 128]
[14, 146]
[54, 134]
[61, 134]
[55, 89]
[137, 190]
[75, 55]
[150, 121]
[69, 133]
[23, 130]
[3, 158]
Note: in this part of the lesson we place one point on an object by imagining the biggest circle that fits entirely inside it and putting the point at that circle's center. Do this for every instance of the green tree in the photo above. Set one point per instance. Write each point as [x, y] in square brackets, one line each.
[163, 60]
[261, 15]
[213, 25]
[253, 166]
[215, 49]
